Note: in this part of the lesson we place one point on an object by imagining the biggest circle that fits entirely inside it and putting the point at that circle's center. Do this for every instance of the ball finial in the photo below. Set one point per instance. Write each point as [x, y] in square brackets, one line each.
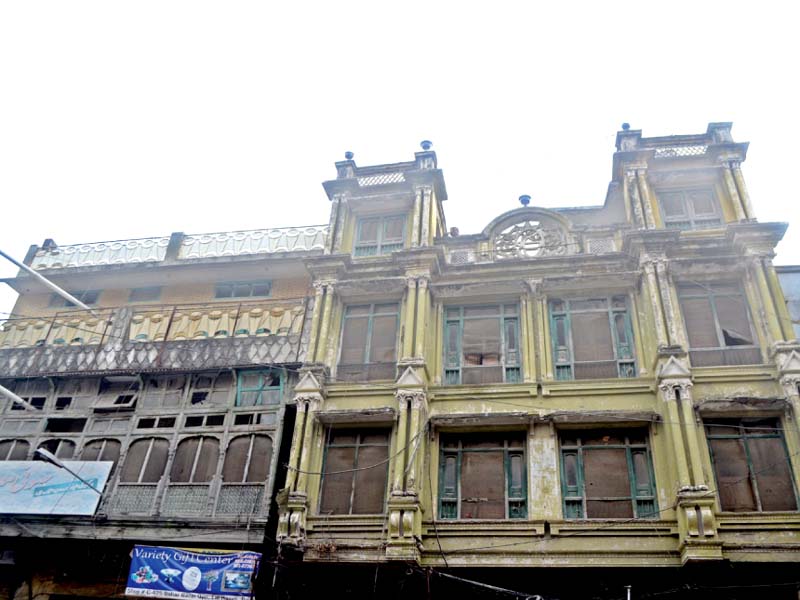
[525, 200]
[349, 155]
[626, 126]
[426, 145]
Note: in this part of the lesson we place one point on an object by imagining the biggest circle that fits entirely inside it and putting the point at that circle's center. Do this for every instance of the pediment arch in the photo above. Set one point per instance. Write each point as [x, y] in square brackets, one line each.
[530, 232]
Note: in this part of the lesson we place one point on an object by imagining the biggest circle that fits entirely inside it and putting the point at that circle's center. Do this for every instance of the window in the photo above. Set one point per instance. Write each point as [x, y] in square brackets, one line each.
[14, 450]
[164, 391]
[76, 393]
[145, 461]
[243, 289]
[345, 490]
[195, 460]
[101, 450]
[718, 325]
[481, 344]
[256, 388]
[689, 209]
[751, 465]
[36, 402]
[117, 393]
[155, 423]
[88, 297]
[60, 448]
[369, 342]
[211, 389]
[592, 338]
[247, 459]
[65, 425]
[379, 235]
[607, 474]
[483, 476]
[33, 391]
[204, 421]
[145, 294]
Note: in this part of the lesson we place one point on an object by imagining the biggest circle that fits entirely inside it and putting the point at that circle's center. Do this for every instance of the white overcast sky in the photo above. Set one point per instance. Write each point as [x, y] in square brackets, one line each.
[134, 119]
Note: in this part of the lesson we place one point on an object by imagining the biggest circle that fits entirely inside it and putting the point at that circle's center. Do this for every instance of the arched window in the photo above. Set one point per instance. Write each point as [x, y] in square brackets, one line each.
[60, 448]
[146, 461]
[14, 450]
[195, 460]
[247, 459]
[101, 450]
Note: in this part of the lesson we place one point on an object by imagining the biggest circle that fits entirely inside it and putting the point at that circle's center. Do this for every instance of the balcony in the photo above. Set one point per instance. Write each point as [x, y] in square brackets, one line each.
[189, 336]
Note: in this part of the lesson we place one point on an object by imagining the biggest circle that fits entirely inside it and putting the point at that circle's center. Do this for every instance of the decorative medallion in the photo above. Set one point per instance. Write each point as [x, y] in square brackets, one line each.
[528, 239]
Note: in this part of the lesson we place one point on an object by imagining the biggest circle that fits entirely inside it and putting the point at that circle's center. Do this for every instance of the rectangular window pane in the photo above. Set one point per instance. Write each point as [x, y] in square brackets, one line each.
[393, 229]
[592, 337]
[733, 321]
[672, 204]
[354, 340]
[337, 488]
[482, 485]
[699, 320]
[370, 484]
[772, 473]
[368, 231]
[702, 202]
[384, 342]
[733, 481]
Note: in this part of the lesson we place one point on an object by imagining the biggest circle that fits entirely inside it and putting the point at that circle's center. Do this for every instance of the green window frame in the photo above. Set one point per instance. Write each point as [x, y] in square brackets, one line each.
[752, 467]
[607, 474]
[355, 471]
[690, 209]
[482, 344]
[368, 346]
[718, 324]
[376, 236]
[605, 346]
[483, 476]
[259, 387]
[243, 289]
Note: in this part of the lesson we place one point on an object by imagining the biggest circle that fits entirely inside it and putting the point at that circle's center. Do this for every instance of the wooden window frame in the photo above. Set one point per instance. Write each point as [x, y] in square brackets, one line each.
[644, 499]
[381, 245]
[248, 459]
[367, 366]
[510, 359]
[13, 443]
[202, 441]
[260, 389]
[711, 295]
[689, 221]
[516, 497]
[360, 433]
[747, 430]
[564, 353]
[146, 460]
[60, 443]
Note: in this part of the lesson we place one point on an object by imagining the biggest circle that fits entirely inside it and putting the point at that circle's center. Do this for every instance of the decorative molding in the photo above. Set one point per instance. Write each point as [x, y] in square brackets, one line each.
[529, 239]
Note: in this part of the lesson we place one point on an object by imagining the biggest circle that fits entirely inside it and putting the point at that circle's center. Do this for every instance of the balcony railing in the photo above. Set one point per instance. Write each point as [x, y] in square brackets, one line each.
[102, 253]
[68, 328]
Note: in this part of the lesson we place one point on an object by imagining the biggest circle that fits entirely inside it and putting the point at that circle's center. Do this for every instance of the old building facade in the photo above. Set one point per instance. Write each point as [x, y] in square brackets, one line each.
[611, 390]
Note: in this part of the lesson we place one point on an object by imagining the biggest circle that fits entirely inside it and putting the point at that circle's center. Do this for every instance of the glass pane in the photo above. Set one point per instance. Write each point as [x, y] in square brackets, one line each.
[370, 484]
[235, 459]
[480, 344]
[482, 486]
[732, 316]
[337, 487]
[641, 471]
[357, 310]
[156, 462]
[702, 202]
[375, 437]
[571, 470]
[393, 229]
[609, 509]
[354, 341]
[449, 476]
[511, 336]
[451, 341]
[772, 473]
[591, 337]
[517, 473]
[341, 437]
[384, 339]
[733, 482]
[207, 461]
[622, 331]
[672, 203]
[368, 231]
[386, 308]
[561, 333]
[605, 473]
[224, 290]
[65, 450]
[184, 460]
[260, 459]
[699, 323]
[134, 461]
[91, 451]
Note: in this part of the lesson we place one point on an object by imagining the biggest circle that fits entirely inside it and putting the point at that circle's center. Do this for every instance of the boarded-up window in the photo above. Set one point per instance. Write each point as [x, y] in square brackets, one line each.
[482, 476]
[101, 450]
[689, 209]
[379, 235]
[195, 460]
[607, 474]
[247, 459]
[145, 461]
[592, 338]
[482, 344]
[369, 342]
[64, 449]
[14, 450]
[717, 324]
[751, 465]
[355, 471]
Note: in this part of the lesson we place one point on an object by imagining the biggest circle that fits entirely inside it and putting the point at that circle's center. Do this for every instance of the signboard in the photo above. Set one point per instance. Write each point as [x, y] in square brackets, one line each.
[39, 488]
[158, 572]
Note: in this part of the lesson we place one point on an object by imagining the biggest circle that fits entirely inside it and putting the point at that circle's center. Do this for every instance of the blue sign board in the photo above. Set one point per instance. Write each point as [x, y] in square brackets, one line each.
[158, 572]
[39, 488]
